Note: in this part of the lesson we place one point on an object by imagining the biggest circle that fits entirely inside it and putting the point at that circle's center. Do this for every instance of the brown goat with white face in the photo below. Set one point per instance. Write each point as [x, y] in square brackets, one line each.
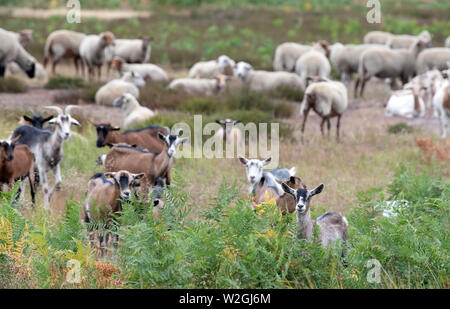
[333, 226]
[135, 160]
[16, 163]
[103, 201]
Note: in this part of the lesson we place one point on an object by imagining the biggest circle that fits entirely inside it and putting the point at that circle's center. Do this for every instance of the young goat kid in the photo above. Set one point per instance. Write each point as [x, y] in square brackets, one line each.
[47, 147]
[333, 227]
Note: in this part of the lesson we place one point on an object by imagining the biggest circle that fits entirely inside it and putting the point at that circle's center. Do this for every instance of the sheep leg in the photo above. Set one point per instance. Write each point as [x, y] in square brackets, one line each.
[306, 112]
[328, 126]
[99, 72]
[356, 87]
[321, 126]
[338, 127]
[2, 70]
[363, 84]
[55, 62]
[75, 62]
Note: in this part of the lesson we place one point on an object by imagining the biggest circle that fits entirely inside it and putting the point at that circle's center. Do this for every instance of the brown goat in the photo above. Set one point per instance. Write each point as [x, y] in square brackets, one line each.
[103, 202]
[16, 163]
[286, 202]
[137, 160]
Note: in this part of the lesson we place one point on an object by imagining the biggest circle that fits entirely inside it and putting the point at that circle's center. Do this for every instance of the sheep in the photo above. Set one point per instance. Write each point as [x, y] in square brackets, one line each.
[152, 164]
[133, 51]
[133, 111]
[12, 51]
[328, 99]
[383, 62]
[333, 226]
[210, 69]
[115, 88]
[447, 42]
[433, 59]
[63, 44]
[148, 71]
[441, 104]
[200, 86]
[405, 103]
[254, 170]
[16, 163]
[103, 202]
[267, 81]
[92, 51]
[229, 133]
[35, 120]
[47, 146]
[346, 58]
[24, 37]
[287, 54]
[40, 72]
[405, 41]
[377, 37]
[313, 63]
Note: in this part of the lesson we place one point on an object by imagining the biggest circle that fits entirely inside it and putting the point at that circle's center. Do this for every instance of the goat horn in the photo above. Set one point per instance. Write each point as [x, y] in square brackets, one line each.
[32, 112]
[69, 108]
[55, 108]
[42, 113]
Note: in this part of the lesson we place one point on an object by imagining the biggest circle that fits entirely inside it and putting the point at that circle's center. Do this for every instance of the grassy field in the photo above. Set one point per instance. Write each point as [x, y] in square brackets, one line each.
[207, 236]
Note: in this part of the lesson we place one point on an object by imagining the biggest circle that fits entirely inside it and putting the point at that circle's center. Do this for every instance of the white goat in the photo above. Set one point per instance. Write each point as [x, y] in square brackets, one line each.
[134, 112]
[405, 103]
[47, 147]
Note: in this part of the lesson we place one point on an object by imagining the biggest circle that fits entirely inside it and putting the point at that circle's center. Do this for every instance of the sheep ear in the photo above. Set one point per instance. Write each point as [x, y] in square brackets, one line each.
[288, 189]
[267, 161]
[243, 160]
[317, 190]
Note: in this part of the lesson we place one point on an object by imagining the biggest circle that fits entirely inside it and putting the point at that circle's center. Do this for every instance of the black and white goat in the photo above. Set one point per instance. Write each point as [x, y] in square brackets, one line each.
[35, 120]
[47, 147]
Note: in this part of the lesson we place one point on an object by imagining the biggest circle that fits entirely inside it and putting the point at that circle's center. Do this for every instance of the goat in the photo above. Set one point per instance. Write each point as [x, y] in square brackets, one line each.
[16, 163]
[47, 147]
[333, 227]
[103, 201]
[35, 120]
[136, 160]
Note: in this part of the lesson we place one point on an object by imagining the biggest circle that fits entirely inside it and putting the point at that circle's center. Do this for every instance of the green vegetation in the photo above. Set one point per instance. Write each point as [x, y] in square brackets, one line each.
[400, 127]
[62, 82]
[13, 85]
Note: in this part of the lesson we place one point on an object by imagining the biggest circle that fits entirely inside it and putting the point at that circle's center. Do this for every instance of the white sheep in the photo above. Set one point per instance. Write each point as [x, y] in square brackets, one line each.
[210, 69]
[265, 80]
[12, 51]
[405, 103]
[441, 104]
[405, 41]
[115, 88]
[63, 44]
[433, 58]
[133, 51]
[133, 111]
[40, 72]
[377, 37]
[286, 56]
[313, 63]
[383, 62]
[92, 51]
[149, 72]
[345, 58]
[328, 99]
[24, 37]
[200, 86]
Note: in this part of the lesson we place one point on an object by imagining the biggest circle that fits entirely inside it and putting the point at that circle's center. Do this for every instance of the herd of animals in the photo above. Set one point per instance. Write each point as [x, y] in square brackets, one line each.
[139, 161]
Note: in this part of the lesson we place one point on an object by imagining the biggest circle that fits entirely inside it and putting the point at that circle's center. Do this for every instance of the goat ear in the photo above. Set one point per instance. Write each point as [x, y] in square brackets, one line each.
[267, 161]
[15, 139]
[27, 118]
[110, 175]
[317, 190]
[181, 141]
[75, 122]
[161, 136]
[115, 128]
[110, 145]
[48, 118]
[292, 179]
[138, 176]
[288, 189]
[52, 121]
[243, 160]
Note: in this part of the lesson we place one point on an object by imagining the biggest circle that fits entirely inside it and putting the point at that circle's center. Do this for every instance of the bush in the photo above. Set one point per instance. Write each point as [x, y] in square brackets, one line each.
[399, 128]
[13, 85]
[62, 82]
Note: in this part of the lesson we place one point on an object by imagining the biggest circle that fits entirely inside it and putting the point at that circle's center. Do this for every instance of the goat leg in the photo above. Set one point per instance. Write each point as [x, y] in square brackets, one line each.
[58, 178]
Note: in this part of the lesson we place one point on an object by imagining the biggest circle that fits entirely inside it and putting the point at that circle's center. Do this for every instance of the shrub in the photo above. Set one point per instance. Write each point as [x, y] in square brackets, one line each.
[399, 128]
[62, 82]
[12, 84]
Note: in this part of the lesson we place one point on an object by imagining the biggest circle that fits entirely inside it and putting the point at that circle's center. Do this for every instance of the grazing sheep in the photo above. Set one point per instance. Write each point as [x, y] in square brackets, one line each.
[267, 81]
[405, 41]
[12, 51]
[383, 62]
[210, 69]
[377, 37]
[103, 202]
[287, 54]
[433, 59]
[333, 227]
[24, 37]
[328, 99]
[134, 113]
[441, 104]
[92, 51]
[346, 58]
[405, 103]
[63, 44]
[200, 86]
[149, 72]
[313, 63]
[133, 51]
[115, 88]
[40, 72]
[16, 163]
